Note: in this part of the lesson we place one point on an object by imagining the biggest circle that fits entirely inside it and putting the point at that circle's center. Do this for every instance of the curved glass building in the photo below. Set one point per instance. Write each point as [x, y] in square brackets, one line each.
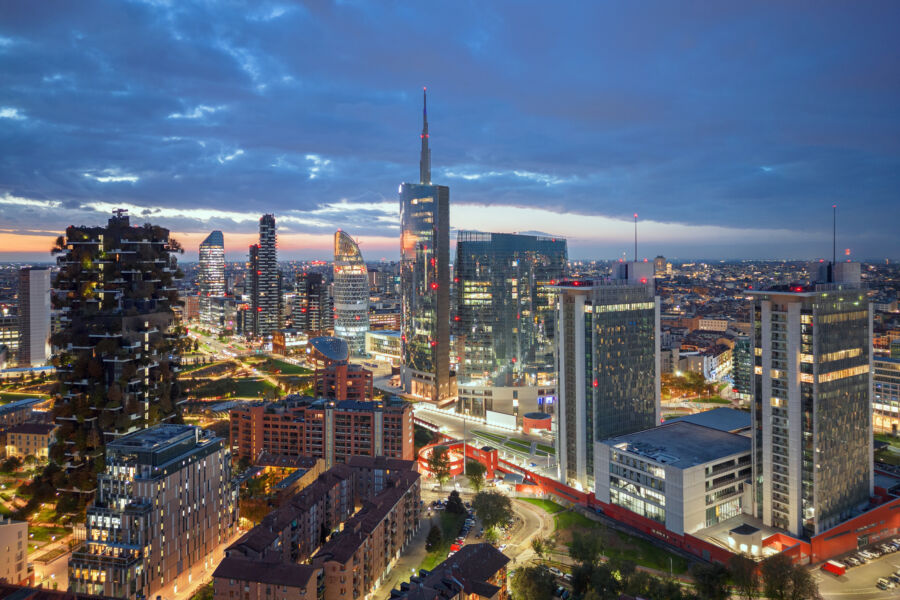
[212, 277]
[351, 293]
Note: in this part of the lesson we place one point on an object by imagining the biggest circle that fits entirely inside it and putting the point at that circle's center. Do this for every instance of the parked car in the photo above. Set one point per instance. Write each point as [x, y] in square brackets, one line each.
[556, 571]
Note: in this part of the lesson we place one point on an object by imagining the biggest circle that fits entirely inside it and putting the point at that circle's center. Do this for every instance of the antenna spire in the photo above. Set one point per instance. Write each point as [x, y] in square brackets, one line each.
[833, 234]
[635, 238]
[425, 159]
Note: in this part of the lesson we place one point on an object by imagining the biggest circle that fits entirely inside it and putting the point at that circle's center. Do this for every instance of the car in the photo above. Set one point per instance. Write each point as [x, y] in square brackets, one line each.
[555, 571]
[567, 577]
[852, 561]
[502, 547]
[559, 590]
[895, 578]
[565, 595]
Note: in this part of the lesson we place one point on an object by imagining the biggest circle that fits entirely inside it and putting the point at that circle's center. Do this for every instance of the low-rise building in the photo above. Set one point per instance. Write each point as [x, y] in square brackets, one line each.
[385, 346]
[164, 503]
[30, 439]
[684, 476]
[17, 412]
[289, 341]
[13, 551]
[475, 572]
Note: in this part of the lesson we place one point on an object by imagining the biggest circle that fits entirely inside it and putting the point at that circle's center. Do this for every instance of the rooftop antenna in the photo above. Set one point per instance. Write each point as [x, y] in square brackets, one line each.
[635, 238]
[833, 234]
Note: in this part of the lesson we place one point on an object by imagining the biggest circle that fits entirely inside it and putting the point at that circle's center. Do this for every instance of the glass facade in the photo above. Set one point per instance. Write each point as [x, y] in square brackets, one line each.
[425, 289]
[742, 357]
[886, 395]
[505, 301]
[351, 293]
[211, 278]
[266, 294]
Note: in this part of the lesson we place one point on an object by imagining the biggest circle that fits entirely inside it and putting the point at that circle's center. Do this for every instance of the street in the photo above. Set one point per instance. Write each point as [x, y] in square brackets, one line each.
[859, 582]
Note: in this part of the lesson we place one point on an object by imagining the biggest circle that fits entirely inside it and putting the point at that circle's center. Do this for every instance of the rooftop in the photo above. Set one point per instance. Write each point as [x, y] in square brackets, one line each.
[33, 428]
[19, 405]
[155, 438]
[274, 573]
[333, 348]
[681, 444]
[722, 418]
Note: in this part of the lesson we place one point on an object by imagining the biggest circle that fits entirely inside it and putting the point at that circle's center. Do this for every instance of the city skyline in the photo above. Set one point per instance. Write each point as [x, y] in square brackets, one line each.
[723, 148]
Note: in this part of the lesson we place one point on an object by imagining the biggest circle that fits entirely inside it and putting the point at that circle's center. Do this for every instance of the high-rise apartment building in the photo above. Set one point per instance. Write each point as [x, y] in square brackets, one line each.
[505, 302]
[34, 316]
[886, 395]
[609, 355]
[425, 283]
[163, 504]
[312, 310]
[211, 279]
[265, 296]
[812, 410]
[351, 293]
[118, 349]
[742, 366]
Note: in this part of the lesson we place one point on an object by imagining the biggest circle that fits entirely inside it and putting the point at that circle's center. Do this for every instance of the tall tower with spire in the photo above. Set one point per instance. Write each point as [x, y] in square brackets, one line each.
[425, 159]
[425, 282]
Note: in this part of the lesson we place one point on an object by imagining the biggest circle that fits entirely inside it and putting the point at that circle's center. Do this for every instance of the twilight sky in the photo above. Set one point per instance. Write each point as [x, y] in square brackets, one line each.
[731, 128]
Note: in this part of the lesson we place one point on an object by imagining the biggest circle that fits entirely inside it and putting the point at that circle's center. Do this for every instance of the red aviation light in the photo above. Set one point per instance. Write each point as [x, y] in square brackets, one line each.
[456, 318]
[433, 343]
[259, 309]
[434, 285]
[643, 280]
[357, 317]
[596, 383]
[433, 262]
[403, 337]
[303, 309]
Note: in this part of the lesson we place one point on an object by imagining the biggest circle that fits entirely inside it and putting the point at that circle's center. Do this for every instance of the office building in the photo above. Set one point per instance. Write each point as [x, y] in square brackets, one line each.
[13, 551]
[886, 395]
[118, 350]
[684, 476]
[385, 346]
[659, 266]
[312, 310]
[265, 295]
[34, 316]
[425, 283]
[609, 356]
[742, 366]
[475, 572]
[211, 278]
[9, 331]
[505, 303]
[332, 430]
[812, 404]
[164, 503]
[351, 293]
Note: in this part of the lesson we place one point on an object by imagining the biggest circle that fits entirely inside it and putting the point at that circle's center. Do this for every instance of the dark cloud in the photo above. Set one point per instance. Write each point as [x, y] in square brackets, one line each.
[749, 115]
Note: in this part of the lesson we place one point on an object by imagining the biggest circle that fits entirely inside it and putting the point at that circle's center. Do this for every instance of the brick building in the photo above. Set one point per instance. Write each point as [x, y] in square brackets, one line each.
[333, 431]
[344, 381]
[373, 502]
[477, 571]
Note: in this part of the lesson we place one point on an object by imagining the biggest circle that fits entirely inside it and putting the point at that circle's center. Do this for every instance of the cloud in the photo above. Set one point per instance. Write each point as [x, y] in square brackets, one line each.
[319, 164]
[10, 200]
[198, 112]
[8, 112]
[112, 176]
[223, 158]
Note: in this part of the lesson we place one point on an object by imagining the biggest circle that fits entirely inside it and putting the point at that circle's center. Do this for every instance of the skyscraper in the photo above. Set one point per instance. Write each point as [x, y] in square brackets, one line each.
[118, 350]
[265, 302]
[608, 354]
[425, 283]
[812, 409]
[312, 310]
[34, 316]
[211, 277]
[505, 302]
[351, 293]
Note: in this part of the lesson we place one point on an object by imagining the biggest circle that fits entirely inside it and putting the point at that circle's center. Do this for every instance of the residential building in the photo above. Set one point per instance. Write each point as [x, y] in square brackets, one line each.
[342, 380]
[34, 316]
[886, 395]
[30, 439]
[312, 311]
[23, 592]
[475, 572]
[13, 551]
[332, 430]
[425, 283]
[351, 293]
[505, 302]
[211, 279]
[742, 366]
[812, 403]
[609, 366]
[714, 363]
[385, 346]
[265, 299]
[164, 503]
[17, 411]
[9, 331]
[118, 349]
[684, 476]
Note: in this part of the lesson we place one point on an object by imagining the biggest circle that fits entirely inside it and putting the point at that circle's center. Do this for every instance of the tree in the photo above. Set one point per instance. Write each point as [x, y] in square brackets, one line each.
[711, 581]
[586, 548]
[776, 576]
[433, 541]
[745, 575]
[803, 586]
[594, 582]
[540, 545]
[475, 474]
[439, 464]
[533, 583]
[455, 504]
[492, 508]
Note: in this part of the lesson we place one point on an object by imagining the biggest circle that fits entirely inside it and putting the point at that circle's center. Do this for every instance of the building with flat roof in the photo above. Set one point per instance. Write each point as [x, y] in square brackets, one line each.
[385, 346]
[30, 439]
[475, 572]
[684, 476]
[18, 411]
[164, 502]
[34, 316]
[722, 418]
[886, 395]
[13, 551]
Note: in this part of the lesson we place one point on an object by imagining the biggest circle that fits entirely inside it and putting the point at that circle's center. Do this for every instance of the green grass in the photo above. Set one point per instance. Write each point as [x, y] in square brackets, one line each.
[287, 368]
[250, 388]
[490, 436]
[711, 400]
[11, 396]
[43, 534]
[51, 555]
[888, 457]
[198, 366]
[516, 445]
[889, 439]
[450, 525]
[548, 505]
[546, 448]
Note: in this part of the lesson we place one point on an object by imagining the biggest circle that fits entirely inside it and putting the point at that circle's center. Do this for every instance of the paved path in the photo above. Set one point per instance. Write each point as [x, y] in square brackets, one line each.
[408, 562]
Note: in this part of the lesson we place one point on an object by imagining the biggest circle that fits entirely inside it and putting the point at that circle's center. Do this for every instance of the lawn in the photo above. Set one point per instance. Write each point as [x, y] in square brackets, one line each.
[251, 388]
[622, 545]
[195, 367]
[51, 555]
[11, 396]
[548, 505]
[39, 533]
[546, 448]
[517, 445]
[490, 436]
[887, 457]
[286, 368]
[711, 400]
[450, 525]
[888, 439]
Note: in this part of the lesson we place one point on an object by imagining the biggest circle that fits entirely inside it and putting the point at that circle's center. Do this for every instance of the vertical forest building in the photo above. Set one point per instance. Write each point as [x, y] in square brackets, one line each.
[117, 351]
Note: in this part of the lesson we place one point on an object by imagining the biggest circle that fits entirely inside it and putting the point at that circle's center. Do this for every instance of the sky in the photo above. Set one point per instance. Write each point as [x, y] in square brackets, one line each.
[731, 128]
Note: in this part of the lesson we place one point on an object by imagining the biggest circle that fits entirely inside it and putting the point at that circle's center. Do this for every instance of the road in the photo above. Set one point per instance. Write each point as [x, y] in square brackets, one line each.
[859, 582]
[406, 565]
[187, 583]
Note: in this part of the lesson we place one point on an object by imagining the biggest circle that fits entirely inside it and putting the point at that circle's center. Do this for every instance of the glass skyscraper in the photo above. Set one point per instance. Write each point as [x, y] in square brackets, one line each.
[265, 300]
[211, 278]
[425, 283]
[812, 413]
[608, 354]
[505, 302]
[351, 293]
